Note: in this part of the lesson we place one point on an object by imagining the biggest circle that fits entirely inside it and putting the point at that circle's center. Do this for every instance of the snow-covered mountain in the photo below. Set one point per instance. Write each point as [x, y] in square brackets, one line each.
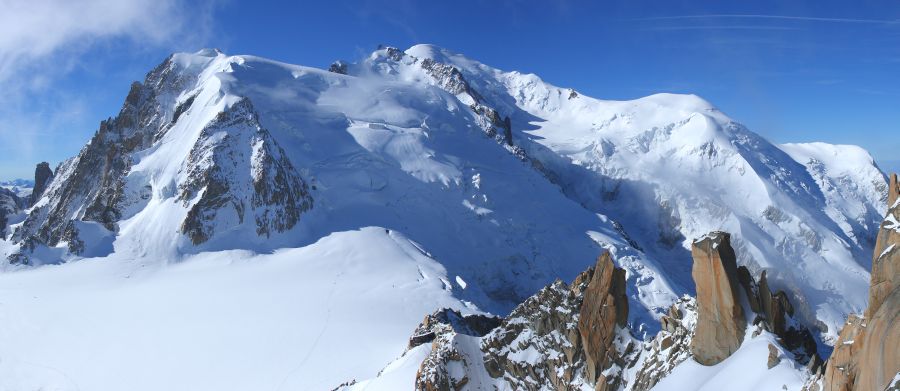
[497, 182]
[21, 187]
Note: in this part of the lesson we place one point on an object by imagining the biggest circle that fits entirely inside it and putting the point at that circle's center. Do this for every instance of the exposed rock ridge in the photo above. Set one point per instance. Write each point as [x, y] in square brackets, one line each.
[89, 187]
[866, 355]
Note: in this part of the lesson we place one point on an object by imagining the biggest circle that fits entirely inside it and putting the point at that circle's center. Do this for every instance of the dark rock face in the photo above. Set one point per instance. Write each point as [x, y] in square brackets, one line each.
[475, 325]
[721, 323]
[866, 356]
[218, 167]
[775, 312]
[42, 176]
[338, 67]
[10, 204]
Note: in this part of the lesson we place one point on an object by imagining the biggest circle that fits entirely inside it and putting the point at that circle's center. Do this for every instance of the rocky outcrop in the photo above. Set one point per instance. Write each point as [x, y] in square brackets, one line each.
[563, 337]
[775, 313]
[338, 67]
[721, 290]
[603, 311]
[866, 356]
[444, 329]
[474, 324]
[235, 154]
[42, 176]
[545, 324]
[721, 323]
[670, 347]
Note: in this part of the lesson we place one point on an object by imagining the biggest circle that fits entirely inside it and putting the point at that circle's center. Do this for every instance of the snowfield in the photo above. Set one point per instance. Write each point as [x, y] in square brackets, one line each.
[434, 181]
[297, 319]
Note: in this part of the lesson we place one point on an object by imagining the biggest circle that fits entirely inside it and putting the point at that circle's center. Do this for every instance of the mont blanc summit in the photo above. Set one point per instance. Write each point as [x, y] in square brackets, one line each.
[420, 220]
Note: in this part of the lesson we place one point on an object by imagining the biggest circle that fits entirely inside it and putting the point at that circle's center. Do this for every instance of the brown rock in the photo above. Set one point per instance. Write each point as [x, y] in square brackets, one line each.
[773, 356]
[866, 356]
[886, 258]
[893, 190]
[721, 323]
[605, 306]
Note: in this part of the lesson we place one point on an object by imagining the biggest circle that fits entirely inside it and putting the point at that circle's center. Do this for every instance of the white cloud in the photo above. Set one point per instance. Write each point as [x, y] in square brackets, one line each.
[32, 30]
[43, 41]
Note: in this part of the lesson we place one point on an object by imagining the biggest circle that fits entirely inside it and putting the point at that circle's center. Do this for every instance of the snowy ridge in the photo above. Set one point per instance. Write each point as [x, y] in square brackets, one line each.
[672, 167]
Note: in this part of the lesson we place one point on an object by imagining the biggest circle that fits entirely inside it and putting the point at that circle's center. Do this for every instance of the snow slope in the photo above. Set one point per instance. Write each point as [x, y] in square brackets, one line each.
[501, 181]
[231, 320]
[375, 152]
[746, 370]
[670, 168]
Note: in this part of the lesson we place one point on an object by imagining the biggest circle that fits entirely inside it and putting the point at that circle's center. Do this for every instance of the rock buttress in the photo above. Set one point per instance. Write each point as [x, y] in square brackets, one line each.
[721, 322]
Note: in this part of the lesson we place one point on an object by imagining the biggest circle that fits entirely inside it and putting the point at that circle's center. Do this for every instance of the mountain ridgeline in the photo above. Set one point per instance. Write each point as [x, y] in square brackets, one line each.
[715, 241]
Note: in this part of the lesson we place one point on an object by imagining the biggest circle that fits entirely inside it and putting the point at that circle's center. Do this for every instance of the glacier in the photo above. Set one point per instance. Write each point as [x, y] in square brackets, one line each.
[491, 183]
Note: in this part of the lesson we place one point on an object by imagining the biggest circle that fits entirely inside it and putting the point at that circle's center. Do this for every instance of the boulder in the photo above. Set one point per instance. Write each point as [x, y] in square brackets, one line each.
[774, 359]
[721, 323]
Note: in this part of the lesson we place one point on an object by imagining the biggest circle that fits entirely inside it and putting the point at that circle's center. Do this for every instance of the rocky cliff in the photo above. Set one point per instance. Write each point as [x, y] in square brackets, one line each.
[866, 356]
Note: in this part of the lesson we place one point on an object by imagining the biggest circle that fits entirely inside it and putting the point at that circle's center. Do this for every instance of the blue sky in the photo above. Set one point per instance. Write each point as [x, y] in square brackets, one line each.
[791, 71]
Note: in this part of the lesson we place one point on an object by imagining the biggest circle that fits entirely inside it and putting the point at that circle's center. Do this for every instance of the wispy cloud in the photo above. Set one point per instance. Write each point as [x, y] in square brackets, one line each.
[41, 42]
[774, 17]
[720, 27]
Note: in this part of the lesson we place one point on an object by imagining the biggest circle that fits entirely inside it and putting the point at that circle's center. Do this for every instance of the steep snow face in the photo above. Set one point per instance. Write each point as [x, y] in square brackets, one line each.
[669, 168]
[240, 152]
[297, 319]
